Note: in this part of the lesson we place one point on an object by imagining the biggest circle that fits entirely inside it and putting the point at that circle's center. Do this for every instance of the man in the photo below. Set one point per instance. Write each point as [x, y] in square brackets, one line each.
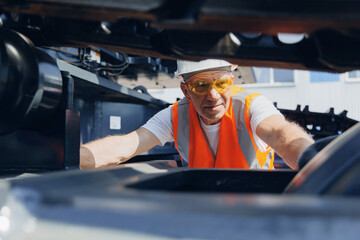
[216, 125]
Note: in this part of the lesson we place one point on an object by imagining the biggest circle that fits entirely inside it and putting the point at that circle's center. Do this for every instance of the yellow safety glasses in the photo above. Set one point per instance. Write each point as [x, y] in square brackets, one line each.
[202, 87]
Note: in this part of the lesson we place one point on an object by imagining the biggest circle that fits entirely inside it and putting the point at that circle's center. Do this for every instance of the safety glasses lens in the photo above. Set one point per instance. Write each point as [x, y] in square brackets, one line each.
[203, 87]
[200, 86]
[222, 84]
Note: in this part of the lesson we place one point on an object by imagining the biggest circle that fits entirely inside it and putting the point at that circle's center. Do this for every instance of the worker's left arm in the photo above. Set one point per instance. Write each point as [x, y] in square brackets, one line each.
[286, 138]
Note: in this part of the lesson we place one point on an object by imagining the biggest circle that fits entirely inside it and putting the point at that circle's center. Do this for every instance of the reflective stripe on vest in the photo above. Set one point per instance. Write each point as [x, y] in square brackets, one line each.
[236, 147]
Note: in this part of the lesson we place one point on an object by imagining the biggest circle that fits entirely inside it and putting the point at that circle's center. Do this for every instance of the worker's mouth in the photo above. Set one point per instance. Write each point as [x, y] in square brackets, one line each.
[213, 107]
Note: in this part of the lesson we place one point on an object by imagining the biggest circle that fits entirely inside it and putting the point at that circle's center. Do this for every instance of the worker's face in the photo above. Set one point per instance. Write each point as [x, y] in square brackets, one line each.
[211, 105]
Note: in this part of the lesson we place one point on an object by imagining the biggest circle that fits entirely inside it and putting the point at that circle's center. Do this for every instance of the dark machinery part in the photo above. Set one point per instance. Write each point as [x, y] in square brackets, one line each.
[40, 107]
[108, 108]
[311, 151]
[30, 84]
[37, 132]
[319, 125]
[334, 170]
[196, 30]
[110, 64]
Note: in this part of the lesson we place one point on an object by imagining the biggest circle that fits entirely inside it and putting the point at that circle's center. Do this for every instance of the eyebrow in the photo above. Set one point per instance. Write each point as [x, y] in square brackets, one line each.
[206, 76]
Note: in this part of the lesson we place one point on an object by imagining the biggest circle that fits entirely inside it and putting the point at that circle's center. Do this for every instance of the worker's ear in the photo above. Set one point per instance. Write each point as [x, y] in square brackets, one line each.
[185, 90]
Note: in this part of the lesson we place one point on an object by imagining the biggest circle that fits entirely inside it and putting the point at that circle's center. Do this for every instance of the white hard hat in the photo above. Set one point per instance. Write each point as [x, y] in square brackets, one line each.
[184, 67]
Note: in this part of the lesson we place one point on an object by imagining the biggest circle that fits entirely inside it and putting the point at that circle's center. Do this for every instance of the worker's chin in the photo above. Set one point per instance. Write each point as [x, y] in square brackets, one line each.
[212, 117]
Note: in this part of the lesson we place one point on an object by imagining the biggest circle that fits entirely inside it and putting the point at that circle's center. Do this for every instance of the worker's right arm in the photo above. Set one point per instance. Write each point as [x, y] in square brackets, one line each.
[113, 150]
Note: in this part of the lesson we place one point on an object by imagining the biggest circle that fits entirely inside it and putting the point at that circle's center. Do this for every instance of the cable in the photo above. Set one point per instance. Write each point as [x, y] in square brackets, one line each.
[83, 60]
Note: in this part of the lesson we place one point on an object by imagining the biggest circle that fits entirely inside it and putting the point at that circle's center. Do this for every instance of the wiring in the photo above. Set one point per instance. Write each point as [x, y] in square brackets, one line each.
[83, 58]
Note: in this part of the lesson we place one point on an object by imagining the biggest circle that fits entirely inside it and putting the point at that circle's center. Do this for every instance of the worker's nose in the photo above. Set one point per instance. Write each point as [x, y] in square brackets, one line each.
[213, 94]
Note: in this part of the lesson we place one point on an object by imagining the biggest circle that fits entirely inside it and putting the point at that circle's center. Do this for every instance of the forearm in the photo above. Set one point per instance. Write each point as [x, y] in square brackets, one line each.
[287, 139]
[291, 141]
[113, 150]
[107, 151]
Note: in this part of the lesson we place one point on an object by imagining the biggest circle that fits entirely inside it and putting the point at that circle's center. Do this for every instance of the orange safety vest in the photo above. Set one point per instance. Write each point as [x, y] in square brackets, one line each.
[236, 147]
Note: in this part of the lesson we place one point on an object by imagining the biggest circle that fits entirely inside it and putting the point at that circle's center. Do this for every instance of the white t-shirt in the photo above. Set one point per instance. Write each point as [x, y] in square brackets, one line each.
[260, 108]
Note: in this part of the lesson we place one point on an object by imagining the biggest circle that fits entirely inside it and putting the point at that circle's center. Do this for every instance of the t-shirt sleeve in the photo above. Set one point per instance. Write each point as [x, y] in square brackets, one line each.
[161, 125]
[260, 109]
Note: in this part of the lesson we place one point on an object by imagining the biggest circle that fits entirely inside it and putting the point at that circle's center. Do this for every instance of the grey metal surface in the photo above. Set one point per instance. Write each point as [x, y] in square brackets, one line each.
[97, 204]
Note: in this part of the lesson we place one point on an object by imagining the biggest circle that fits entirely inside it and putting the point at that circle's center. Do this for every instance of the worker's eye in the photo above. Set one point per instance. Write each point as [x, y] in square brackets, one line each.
[200, 86]
[222, 83]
